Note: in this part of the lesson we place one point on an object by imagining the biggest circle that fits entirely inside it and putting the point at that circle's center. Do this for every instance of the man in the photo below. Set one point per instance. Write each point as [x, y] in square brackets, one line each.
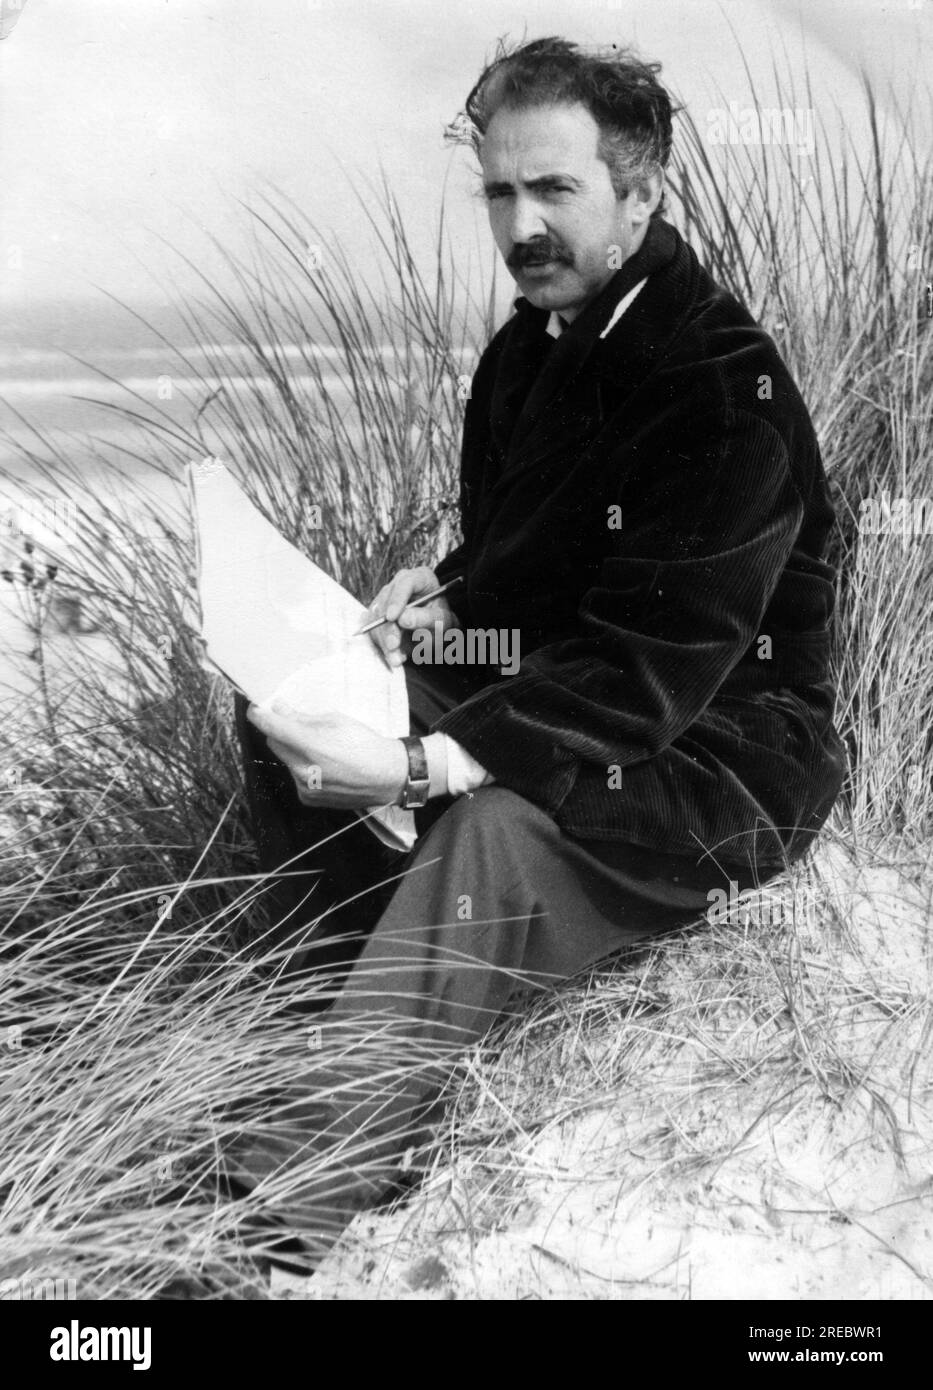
[643, 503]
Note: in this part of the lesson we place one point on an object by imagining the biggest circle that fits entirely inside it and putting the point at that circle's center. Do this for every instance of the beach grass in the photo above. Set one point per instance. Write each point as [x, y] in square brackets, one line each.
[763, 1081]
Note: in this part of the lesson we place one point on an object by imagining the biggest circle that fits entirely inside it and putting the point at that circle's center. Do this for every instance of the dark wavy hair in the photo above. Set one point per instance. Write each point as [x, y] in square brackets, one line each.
[621, 93]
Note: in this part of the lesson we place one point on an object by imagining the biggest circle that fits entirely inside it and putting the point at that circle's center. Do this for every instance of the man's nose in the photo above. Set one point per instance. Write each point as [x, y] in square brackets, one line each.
[527, 222]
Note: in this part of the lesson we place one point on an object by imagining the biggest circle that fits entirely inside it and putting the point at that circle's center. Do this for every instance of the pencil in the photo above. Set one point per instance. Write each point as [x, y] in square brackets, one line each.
[415, 603]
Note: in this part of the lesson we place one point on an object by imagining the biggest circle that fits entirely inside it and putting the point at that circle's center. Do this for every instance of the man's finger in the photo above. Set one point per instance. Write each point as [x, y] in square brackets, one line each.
[422, 615]
[275, 725]
[401, 590]
[286, 753]
[378, 639]
[378, 605]
[412, 617]
[391, 602]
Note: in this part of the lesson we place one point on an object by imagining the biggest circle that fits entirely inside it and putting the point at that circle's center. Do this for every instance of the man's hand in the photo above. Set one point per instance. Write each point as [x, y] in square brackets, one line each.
[393, 639]
[334, 760]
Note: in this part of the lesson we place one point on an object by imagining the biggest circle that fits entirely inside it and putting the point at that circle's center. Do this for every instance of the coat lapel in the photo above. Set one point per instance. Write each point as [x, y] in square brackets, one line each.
[546, 368]
[525, 352]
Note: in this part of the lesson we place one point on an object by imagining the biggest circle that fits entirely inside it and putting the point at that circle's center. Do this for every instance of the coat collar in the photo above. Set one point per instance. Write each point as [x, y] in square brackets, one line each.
[536, 371]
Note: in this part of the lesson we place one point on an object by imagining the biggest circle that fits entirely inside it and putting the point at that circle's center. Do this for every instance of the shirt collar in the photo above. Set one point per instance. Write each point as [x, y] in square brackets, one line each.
[555, 325]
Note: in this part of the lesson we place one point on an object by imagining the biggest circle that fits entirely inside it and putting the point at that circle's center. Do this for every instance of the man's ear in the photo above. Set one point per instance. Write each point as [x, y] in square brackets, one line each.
[645, 198]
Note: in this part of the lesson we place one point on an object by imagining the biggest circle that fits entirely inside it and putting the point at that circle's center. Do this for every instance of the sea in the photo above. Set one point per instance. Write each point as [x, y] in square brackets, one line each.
[74, 380]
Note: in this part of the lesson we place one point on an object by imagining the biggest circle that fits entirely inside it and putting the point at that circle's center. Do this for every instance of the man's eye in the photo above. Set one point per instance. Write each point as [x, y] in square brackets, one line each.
[546, 189]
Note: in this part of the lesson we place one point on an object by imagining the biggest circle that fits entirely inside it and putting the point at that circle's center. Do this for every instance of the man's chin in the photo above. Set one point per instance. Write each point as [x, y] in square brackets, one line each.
[544, 286]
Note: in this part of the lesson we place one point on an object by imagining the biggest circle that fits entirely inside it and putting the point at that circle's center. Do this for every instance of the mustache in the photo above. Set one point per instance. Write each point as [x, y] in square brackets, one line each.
[536, 253]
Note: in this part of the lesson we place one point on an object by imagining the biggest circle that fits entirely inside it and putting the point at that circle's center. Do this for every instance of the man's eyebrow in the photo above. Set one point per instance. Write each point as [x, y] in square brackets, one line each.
[542, 181]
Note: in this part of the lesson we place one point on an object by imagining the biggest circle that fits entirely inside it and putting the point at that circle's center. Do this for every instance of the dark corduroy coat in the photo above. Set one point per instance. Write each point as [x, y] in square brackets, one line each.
[674, 689]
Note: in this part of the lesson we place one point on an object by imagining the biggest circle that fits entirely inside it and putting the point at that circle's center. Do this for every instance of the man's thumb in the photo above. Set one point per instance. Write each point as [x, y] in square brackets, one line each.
[422, 615]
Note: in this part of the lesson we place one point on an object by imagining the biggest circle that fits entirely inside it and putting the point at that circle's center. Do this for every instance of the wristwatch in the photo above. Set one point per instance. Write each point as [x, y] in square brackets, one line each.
[416, 789]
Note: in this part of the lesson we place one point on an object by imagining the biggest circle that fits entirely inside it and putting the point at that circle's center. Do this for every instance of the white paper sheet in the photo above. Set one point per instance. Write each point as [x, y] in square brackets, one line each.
[278, 627]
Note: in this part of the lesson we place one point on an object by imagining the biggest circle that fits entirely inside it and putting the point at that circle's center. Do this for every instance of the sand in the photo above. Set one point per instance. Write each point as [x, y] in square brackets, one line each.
[694, 1190]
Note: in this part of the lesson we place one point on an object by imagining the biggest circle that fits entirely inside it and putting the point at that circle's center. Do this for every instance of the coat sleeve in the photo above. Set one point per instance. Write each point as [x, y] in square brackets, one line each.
[454, 566]
[706, 529]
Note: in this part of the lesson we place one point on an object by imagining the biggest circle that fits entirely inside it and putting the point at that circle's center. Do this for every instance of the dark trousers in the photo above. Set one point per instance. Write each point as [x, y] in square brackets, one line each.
[493, 901]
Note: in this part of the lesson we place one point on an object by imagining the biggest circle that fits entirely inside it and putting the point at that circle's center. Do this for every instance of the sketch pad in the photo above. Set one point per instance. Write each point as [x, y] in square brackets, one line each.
[278, 627]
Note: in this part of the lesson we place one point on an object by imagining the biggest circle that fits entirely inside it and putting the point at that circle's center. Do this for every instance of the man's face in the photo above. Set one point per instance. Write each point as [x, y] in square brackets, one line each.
[552, 208]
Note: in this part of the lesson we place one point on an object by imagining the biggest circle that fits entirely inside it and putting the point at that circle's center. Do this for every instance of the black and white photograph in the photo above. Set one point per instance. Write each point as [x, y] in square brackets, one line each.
[466, 663]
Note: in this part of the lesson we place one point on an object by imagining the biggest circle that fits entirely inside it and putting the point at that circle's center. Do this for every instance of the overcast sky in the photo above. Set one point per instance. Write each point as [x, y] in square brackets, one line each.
[125, 120]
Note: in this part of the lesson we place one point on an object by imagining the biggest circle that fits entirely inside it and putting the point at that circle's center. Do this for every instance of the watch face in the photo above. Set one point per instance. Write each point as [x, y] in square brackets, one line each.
[416, 794]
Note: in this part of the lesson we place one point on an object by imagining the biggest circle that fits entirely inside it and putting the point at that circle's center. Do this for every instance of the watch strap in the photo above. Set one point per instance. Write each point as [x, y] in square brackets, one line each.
[417, 787]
